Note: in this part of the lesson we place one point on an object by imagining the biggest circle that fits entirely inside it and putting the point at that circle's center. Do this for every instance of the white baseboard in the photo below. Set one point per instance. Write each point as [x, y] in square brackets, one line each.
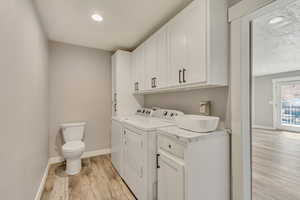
[96, 153]
[42, 184]
[54, 160]
[263, 127]
[87, 154]
[59, 159]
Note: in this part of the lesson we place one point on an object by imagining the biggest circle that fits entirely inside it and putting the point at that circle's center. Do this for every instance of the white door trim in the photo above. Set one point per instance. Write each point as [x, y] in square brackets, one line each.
[241, 90]
[275, 104]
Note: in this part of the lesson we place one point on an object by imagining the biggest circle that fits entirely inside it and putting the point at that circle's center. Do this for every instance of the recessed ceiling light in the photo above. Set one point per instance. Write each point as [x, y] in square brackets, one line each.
[276, 20]
[96, 17]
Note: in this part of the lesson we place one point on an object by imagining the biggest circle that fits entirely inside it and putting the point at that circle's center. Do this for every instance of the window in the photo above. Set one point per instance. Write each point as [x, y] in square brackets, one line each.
[287, 106]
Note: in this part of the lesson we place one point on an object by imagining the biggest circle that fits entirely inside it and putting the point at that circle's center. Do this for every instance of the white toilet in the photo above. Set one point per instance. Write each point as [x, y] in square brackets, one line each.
[73, 148]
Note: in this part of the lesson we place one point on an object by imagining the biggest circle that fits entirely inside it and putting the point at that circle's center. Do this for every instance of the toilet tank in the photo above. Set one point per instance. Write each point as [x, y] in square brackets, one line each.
[73, 131]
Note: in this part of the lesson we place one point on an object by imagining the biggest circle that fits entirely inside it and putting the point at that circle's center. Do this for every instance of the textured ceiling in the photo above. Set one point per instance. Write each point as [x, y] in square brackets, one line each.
[276, 47]
[126, 22]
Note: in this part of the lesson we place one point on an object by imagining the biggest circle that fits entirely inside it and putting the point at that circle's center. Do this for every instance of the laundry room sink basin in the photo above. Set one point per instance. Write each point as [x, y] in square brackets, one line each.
[198, 123]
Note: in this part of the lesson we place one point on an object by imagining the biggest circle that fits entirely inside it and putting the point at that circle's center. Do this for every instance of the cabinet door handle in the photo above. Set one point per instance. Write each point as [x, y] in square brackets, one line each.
[157, 164]
[136, 86]
[125, 142]
[115, 97]
[152, 82]
[180, 71]
[184, 70]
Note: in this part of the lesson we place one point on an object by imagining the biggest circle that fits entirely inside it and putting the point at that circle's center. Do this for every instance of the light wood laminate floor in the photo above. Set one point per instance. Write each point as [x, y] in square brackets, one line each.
[98, 180]
[275, 165]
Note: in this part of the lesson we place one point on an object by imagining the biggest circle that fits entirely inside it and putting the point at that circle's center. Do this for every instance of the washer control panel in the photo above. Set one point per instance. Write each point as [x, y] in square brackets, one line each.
[146, 112]
[166, 114]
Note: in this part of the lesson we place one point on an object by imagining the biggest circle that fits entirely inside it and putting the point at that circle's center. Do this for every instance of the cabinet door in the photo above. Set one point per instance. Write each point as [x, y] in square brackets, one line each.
[162, 58]
[188, 44]
[134, 70]
[170, 179]
[117, 146]
[140, 68]
[134, 174]
[195, 26]
[177, 48]
[150, 53]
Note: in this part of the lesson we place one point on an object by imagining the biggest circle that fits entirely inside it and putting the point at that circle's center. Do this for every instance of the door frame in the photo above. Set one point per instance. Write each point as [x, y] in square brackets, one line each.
[240, 17]
[276, 102]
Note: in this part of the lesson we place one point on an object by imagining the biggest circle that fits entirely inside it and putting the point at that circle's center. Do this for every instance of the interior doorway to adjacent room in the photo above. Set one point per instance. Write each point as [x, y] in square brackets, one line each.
[275, 112]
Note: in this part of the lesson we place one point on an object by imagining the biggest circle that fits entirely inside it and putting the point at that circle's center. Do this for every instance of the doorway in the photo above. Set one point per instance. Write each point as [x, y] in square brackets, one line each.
[275, 102]
[264, 49]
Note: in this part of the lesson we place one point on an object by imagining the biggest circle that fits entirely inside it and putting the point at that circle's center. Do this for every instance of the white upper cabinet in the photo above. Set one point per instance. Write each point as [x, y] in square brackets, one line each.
[195, 68]
[150, 53]
[162, 76]
[138, 69]
[134, 71]
[123, 102]
[191, 50]
[177, 49]
[156, 61]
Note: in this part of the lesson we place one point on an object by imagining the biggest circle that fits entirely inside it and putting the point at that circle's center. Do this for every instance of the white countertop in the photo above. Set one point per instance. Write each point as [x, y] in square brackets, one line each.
[188, 136]
[146, 124]
[119, 119]
[123, 118]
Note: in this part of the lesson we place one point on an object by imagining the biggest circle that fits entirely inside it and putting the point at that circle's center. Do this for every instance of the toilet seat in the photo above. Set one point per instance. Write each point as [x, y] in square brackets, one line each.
[73, 146]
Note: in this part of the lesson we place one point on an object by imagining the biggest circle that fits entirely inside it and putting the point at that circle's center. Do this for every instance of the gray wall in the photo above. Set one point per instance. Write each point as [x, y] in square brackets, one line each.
[23, 101]
[263, 97]
[80, 90]
[188, 101]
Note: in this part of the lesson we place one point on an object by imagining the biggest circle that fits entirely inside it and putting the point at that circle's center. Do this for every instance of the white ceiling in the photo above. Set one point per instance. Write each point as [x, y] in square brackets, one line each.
[126, 22]
[276, 48]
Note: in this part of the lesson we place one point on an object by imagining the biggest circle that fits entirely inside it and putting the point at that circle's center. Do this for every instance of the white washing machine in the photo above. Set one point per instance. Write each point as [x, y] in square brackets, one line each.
[117, 141]
[138, 149]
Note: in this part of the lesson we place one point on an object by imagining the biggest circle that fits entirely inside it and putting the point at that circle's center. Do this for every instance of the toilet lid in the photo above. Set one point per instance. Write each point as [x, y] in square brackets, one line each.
[73, 146]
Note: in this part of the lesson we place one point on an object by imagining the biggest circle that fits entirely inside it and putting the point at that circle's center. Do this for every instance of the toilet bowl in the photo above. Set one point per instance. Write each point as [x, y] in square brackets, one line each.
[73, 148]
[72, 152]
